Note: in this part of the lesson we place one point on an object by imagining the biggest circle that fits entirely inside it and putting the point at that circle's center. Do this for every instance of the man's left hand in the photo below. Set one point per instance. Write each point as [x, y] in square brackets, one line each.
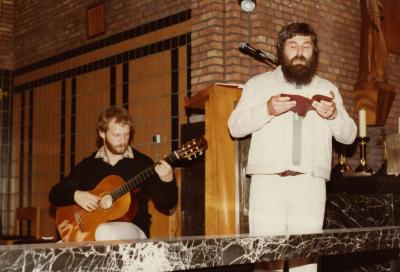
[164, 171]
[325, 109]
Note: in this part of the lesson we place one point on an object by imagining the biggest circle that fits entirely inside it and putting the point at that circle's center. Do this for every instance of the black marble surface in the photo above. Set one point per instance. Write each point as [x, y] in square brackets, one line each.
[193, 252]
[375, 184]
[363, 202]
[357, 202]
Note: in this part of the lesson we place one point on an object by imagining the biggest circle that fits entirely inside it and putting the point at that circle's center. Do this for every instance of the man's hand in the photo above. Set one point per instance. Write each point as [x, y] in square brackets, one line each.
[278, 104]
[86, 200]
[326, 109]
[164, 171]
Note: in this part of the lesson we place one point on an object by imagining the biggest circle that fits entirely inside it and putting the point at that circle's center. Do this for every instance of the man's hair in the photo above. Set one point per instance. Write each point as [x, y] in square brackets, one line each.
[120, 114]
[292, 30]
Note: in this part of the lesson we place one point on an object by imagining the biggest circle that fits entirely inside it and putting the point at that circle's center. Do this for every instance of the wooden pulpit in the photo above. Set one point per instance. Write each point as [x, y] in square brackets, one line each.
[218, 101]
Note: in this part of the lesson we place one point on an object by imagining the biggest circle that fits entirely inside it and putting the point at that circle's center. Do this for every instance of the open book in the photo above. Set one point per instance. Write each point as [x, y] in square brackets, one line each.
[304, 104]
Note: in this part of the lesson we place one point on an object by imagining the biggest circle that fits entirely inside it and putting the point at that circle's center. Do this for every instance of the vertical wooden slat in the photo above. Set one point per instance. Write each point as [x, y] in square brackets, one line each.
[63, 124]
[68, 101]
[46, 149]
[115, 89]
[30, 147]
[174, 98]
[72, 144]
[183, 84]
[125, 85]
[15, 160]
[92, 97]
[25, 150]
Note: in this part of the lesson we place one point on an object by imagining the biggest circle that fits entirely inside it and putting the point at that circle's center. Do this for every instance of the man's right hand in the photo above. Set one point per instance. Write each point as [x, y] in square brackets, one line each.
[278, 104]
[86, 200]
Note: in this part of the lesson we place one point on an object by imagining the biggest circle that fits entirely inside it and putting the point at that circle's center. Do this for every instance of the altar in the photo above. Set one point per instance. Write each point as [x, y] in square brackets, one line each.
[222, 253]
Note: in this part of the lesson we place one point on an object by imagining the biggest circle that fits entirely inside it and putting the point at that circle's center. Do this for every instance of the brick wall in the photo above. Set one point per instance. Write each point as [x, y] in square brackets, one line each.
[47, 28]
[6, 34]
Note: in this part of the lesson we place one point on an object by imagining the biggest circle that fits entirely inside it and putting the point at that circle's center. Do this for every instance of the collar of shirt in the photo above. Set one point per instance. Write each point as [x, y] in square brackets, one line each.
[101, 154]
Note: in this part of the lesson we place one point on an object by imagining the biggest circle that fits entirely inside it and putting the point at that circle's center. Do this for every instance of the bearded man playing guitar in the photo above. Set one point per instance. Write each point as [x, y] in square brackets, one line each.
[114, 160]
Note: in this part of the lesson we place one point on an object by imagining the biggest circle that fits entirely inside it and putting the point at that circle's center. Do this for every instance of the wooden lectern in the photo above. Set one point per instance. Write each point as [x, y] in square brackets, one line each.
[218, 101]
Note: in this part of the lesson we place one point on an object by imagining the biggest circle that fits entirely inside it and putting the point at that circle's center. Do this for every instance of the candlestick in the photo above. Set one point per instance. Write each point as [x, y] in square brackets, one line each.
[362, 123]
[342, 168]
[399, 125]
[363, 168]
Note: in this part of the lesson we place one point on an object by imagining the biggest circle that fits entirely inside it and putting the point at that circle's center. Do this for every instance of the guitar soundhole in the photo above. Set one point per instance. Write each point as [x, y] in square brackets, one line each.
[105, 202]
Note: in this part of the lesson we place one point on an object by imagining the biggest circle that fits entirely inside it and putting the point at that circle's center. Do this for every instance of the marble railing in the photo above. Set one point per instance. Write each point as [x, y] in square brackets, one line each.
[193, 252]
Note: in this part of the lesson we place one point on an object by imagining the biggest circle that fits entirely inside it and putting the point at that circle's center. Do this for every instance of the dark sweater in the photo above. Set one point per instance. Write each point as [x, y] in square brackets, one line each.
[90, 171]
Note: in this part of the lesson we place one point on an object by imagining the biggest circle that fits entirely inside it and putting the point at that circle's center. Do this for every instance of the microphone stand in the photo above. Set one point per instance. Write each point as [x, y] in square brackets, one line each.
[259, 55]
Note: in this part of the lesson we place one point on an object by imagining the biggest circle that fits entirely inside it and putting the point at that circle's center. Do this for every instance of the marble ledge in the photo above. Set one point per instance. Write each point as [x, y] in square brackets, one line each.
[193, 252]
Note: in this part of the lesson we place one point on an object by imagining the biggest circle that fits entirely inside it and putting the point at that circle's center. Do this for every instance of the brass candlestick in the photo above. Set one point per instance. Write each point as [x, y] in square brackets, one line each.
[363, 167]
[342, 168]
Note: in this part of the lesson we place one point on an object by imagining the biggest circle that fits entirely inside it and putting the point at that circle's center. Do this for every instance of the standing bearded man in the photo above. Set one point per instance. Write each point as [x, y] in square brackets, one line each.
[290, 152]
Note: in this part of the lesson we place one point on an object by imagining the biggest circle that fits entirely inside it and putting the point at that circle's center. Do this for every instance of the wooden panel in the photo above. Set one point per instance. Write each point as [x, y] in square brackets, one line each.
[15, 155]
[151, 111]
[118, 95]
[183, 88]
[95, 20]
[220, 188]
[149, 105]
[150, 100]
[67, 148]
[92, 97]
[391, 24]
[175, 218]
[46, 150]
[25, 157]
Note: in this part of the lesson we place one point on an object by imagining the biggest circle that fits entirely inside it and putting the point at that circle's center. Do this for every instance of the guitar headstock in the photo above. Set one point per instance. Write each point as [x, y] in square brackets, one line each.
[192, 149]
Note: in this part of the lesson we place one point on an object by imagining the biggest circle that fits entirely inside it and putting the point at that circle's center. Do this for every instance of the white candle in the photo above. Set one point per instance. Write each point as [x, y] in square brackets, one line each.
[362, 123]
[399, 125]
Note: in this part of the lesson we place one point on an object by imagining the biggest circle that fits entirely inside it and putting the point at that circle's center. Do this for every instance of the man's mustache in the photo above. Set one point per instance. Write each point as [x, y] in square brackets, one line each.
[122, 145]
[299, 58]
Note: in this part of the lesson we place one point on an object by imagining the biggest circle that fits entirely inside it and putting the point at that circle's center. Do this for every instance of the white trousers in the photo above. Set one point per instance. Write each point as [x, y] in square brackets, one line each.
[287, 205]
[118, 231]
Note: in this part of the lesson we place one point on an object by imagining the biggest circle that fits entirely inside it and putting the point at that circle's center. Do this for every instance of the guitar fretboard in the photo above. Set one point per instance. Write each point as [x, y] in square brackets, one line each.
[140, 178]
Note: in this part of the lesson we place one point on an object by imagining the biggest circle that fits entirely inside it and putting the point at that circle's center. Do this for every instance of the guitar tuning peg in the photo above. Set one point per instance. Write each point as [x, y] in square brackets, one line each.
[200, 152]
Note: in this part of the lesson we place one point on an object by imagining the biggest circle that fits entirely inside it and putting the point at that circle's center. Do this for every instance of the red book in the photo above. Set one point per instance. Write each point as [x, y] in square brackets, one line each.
[304, 104]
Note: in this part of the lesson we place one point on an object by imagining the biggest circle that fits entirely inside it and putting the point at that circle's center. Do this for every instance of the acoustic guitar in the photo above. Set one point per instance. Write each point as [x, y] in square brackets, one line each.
[75, 224]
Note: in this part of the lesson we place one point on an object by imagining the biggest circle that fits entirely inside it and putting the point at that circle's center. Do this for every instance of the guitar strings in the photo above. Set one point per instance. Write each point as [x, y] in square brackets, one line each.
[134, 182]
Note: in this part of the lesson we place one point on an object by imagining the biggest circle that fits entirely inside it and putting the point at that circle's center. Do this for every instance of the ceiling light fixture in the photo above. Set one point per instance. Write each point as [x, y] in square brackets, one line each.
[247, 5]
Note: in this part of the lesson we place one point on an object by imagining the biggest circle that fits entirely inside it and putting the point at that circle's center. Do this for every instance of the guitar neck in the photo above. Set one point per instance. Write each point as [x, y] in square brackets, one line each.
[140, 178]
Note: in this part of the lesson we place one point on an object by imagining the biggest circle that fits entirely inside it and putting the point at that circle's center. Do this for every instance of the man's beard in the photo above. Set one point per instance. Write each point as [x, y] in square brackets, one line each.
[299, 74]
[116, 149]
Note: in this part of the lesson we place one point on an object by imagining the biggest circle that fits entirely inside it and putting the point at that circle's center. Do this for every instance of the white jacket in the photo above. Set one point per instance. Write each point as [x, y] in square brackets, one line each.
[271, 144]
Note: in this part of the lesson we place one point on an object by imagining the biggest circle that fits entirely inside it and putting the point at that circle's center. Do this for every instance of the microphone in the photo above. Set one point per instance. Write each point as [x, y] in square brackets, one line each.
[259, 54]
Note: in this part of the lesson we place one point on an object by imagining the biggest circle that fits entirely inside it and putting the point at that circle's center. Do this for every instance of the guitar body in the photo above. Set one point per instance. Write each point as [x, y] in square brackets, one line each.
[81, 225]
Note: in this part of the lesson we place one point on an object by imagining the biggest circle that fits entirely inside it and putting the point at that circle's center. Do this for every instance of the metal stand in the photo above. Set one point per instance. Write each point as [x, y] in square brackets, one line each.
[363, 167]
